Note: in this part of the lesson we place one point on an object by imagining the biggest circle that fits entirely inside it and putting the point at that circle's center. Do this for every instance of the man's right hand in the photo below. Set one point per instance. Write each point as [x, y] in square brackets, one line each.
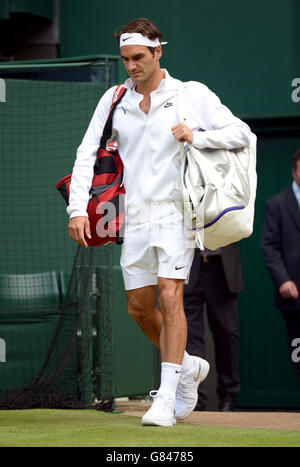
[78, 227]
[289, 290]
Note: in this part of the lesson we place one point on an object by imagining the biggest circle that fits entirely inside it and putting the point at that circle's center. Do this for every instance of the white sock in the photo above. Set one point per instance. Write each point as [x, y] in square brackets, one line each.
[170, 374]
[187, 363]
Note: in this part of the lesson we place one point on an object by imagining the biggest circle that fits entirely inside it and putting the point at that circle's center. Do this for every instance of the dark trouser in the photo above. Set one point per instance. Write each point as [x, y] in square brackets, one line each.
[207, 285]
[292, 322]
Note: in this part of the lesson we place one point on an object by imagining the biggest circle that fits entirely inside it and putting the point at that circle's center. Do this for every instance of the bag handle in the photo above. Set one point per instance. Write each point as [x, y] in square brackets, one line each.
[107, 130]
[182, 103]
[182, 107]
[182, 112]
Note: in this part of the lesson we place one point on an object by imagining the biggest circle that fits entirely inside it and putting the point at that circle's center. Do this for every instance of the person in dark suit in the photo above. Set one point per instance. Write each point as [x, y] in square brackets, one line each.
[280, 243]
[215, 280]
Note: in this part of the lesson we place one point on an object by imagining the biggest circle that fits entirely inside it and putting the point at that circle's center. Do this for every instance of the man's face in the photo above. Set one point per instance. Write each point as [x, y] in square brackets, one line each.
[140, 63]
[296, 174]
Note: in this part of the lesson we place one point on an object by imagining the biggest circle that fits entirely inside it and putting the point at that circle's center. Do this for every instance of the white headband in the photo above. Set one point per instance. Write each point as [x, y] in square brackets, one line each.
[135, 38]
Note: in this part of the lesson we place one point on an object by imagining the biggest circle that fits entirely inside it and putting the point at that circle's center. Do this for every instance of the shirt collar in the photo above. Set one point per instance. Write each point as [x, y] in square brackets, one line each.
[296, 190]
[166, 83]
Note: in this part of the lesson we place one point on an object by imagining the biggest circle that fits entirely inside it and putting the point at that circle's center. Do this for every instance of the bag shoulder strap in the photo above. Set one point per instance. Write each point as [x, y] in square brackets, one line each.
[182, 106]
[182, 98]
[182, 110]
[107, 130]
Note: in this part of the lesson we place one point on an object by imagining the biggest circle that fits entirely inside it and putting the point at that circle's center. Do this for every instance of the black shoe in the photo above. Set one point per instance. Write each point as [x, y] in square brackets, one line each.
[227, 405]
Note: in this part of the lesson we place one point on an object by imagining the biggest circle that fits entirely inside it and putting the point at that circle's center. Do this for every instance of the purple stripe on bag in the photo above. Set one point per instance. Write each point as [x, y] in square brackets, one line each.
[233, 208]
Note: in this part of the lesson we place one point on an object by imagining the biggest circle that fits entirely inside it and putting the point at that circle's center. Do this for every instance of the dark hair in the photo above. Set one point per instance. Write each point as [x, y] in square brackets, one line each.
[144, 26]
[295, 159]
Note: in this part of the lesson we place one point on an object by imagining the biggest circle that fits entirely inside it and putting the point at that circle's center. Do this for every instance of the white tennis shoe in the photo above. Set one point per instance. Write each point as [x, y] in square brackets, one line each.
[187, 389]
[162, 410]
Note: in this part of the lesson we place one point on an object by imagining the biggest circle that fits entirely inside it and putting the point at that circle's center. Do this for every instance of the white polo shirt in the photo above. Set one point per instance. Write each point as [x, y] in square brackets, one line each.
[150, 153]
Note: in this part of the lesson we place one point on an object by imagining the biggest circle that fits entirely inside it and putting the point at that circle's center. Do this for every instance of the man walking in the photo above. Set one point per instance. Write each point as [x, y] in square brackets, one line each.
[156, 251]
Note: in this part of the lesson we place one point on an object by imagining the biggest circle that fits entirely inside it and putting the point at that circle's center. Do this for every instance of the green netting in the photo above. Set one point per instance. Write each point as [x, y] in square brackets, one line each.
[55, 299]
[42, 124]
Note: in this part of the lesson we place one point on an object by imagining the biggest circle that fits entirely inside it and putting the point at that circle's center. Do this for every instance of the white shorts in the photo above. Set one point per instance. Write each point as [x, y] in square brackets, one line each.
[162, 248]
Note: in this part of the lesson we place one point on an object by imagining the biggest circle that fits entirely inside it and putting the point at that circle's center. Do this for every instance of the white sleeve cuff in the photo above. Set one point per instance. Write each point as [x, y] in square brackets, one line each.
[76, 212]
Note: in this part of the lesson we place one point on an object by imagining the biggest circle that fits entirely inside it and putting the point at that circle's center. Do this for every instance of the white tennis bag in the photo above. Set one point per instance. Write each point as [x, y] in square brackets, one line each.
[216, 190]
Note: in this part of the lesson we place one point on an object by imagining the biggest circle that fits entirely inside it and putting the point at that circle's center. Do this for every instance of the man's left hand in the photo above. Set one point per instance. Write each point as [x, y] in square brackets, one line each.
[182, 133]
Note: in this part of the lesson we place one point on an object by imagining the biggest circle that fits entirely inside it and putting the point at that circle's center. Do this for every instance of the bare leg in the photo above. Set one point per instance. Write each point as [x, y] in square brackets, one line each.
[142, 308]
[174, 329]
[166, 329]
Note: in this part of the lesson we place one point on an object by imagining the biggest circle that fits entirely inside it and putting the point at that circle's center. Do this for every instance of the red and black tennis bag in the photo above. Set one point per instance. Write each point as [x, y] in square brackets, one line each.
[106, 203]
